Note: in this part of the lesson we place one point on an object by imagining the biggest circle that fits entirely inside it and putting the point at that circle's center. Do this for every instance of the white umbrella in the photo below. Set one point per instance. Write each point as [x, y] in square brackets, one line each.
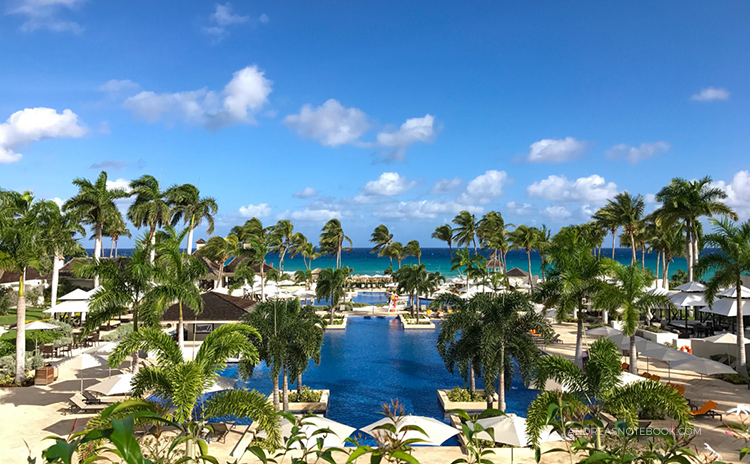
[77, 294]
[685, 299]
[659, 291]
[436, 432]
[725, 307]
[220, 384]
[726, 338]
[69, 307]
[87, 361]
[114, 385]
[511, 430]
[39, 325]
[732, 292]
[3, 330]
[665, 353]
[604, 331]
[692, 287]
[314, 423]
[627, 377]
[701, 366]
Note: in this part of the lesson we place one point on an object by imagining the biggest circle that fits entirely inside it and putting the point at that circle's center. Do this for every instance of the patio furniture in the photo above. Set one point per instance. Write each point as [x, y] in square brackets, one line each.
[48, 351]
[708, 409]
[218, 432]
[79, 406]
[89, 398]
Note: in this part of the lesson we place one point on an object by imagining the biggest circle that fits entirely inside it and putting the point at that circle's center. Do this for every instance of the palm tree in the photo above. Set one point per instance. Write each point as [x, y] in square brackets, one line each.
[115, 228]
[465, 231]
[459, 340]
[412, 249]
[729, 259]
[59, 230]
[124, 289]
[667, 241]
[218, 250]
[304, 276]
[22, 245]
[94, 204]
[330, 286]
[182, 382]
[607, 219]
[688, 201]
[599, 387]
[332, 240]
[471, 263]
[188, 206]
[525, 238]
[281, 239]
[175, 279]
[298, 245]
[444, 233]
[382, 238]
[307, 250]
[627, 211]
[150, 208]
[543, 242]
[396, 250]
[574, 276]
[629, 292]
[506, 321]
[256, 244]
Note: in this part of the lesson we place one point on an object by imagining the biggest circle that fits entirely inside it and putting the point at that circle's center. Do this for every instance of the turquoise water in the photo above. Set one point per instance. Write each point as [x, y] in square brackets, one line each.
[438, 259]
[374, 361]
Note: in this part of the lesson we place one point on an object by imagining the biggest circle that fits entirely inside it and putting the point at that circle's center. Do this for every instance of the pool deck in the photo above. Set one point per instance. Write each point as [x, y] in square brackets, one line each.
[33, 413]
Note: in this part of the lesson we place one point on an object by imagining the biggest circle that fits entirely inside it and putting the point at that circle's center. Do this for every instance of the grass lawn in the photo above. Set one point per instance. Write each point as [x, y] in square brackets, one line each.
[32, 314]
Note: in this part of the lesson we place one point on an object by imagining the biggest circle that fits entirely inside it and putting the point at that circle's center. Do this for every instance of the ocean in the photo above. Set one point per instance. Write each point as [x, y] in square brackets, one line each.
[435, 259]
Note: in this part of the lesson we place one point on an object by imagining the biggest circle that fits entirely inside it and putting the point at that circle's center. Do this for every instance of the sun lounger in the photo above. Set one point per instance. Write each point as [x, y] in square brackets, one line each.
[625, 367]
[79, 406]
[706, 410]
[218, 431]
[89, 398]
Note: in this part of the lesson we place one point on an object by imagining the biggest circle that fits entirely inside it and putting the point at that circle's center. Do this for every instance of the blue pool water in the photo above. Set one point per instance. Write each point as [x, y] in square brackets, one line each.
[370, 298]
[375, 360]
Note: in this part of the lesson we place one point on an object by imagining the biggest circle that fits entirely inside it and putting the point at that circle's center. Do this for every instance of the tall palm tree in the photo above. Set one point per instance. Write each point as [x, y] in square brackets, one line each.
[219, 250]
[396, 250]
[492, 232]
[629, 292]
[525, 238]
[256, 244]
[94, 204]
[382, 238]
[114, 229]
[181, 382]
[281, 240]
[627, 211]
[176, 276]
[150, 208]
[465, 231]
[299, 243]
[667, 241]
[688, 201]
[598, 386]
[574, 276]
[543, 242]
[330, 286]
[188, 206]
[444, 233]
[729, 259]
[412, 249]
[59, 232]
[22, 245]
[607, 219]
[459, 340]
[124, 289]
[505, 336]
[332, 240]
[471, 263]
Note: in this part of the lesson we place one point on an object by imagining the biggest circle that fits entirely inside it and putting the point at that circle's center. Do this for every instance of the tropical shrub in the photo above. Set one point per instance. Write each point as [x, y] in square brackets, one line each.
[8, 363]
[734, 379]
[305, 396]
[120, 332]
[34, 295]
[462, 395]
[7, 300]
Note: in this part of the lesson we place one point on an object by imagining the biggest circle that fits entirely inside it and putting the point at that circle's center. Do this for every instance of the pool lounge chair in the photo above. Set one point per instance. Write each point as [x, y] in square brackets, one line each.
[89, 398]
[219, 431]
[625, 367]
[707, 409]
[79, 406]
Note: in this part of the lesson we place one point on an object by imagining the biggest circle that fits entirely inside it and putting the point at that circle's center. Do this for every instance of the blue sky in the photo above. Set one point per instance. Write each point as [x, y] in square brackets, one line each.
[401, 113]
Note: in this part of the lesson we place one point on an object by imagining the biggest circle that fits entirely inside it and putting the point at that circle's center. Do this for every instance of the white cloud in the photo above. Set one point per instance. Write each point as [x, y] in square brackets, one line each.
[123, 184]
[313, 214]
[307, 192]
[635, 154]
[240, 100]
[58, 201]
[389, 184]
[425, 209]
[711, 94]
[264, 18]
[259, 211]
[555, 150]
[45, 14]
[485, 187]
[35, 124]
[518, 209]
[557, 213]
[224, 16]
[413, 130]
[738, 193]
[331, 124]
[592, 189]
[649, 198]
[445, 186]
[119, 86]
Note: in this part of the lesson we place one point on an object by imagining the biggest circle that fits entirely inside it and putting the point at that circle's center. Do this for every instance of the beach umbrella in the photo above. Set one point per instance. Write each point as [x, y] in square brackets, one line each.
[311, 424]
[87, 361]
[692, 287]
[114, 385]
[727, 339]
[3, 330]
[665, 353]
[77, 294]
[220, 384]
[511, 430]
[702, 366]
[604, 331]
[724, 307]
[39, 325]
[435, 432]
[732, 292]
[684, 299]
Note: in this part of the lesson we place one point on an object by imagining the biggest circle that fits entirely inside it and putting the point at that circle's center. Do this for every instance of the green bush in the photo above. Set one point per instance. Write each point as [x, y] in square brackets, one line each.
[8, 363]
[736, 379]
[651, 328]
[34, 296]
[7, 300]
[462, 395]
[305, 396]
[120, 332]
[7, 347]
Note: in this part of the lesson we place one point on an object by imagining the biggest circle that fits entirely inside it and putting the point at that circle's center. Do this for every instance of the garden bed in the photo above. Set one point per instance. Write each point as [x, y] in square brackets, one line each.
[410, 323]
[468, 406]
[339, 323]
[320, 406]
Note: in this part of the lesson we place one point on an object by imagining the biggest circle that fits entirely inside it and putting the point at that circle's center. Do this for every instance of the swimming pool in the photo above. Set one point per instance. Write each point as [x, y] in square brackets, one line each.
[373, 361]
[370, 298]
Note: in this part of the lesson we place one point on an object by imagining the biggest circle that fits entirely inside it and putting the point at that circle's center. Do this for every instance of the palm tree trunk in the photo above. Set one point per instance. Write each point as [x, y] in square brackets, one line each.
[299, 384]
[56, 265]
[472, 381]
[633, 259]
[21, 331]
[501, 382]
[111, 247]
[415, 302]
[579, 338]
[633, 356]
[285, 386]
[741, 354]
[333, 309]
[134, 357]
[276, 392]
[180, 328]
[643, 257]
[450, 249]
[190, 235]
[665, 272]
[97, 248]
[152, 241]
[614, 236]
[116, 245]
[658, 261]
[689, 250]
[531, 278]
[696, 250]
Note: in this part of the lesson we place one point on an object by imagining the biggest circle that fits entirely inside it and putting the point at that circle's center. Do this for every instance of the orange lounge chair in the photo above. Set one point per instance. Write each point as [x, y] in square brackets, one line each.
[625, 367]
[706, 410]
